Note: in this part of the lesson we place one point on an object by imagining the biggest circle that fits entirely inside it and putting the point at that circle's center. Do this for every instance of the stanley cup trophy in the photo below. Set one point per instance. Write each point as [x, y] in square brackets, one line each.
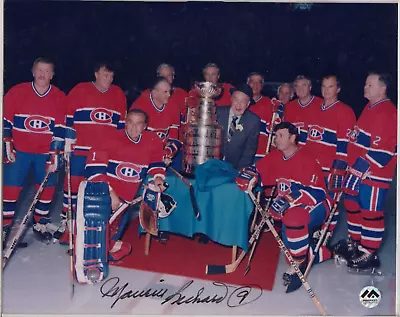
[203, 136]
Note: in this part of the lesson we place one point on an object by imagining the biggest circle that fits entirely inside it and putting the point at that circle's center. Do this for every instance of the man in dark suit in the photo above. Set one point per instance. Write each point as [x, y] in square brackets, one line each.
[240, 128]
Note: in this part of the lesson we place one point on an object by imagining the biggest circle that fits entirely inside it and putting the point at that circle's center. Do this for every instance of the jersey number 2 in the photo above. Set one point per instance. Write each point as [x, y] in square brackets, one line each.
[377, 139]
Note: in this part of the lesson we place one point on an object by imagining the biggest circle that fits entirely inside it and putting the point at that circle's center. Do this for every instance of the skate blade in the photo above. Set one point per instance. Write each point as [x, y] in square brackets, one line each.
[369, 271]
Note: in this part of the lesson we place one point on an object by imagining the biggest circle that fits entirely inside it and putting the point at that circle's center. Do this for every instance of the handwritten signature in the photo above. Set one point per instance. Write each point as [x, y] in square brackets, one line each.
[233, 296]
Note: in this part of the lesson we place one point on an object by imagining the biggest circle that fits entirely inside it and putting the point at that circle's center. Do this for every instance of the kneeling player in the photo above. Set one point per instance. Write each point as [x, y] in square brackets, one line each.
[113, 176]
[301, 201]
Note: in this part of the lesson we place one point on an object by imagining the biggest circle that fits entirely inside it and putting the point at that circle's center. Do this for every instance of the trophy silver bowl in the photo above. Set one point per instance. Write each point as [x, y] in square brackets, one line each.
[207, 89]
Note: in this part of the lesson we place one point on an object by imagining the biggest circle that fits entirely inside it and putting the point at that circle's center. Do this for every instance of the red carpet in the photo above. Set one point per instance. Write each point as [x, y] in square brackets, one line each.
[186, 257]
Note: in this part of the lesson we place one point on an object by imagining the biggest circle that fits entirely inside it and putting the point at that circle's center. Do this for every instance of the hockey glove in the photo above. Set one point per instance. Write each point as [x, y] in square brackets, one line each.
[283, 203]
[170, 151]
[336, 177]
[10, 155]
[355, 174]
[54, 162]
[247, 178]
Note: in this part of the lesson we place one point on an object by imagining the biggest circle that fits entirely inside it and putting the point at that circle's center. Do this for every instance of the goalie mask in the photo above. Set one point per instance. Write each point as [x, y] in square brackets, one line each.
[166, 206]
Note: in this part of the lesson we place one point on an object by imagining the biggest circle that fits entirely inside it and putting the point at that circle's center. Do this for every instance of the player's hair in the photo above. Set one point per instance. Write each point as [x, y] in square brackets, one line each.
[158, 80]
[291, 89]
[211, 65]
[290, 127]
[333, 76]
[384, 78]
[165, 65]
[43, 60]
[255, 74]
[104, 65]
[138, 111]
[301, 77]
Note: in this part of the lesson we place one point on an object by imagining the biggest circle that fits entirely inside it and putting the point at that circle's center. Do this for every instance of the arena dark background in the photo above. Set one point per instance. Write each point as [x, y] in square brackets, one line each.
[278, 40]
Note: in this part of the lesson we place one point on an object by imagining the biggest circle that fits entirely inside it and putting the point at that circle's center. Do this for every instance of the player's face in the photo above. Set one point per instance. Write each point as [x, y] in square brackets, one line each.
[167, 73]
[43, 74]
[104, 78]
[134, 125]
[285, 94]
[283, 140]
[211, 75]
[240, 102]
[329, 88]
[373, 88]
[162, 92]
[302, 88]
[255, 82]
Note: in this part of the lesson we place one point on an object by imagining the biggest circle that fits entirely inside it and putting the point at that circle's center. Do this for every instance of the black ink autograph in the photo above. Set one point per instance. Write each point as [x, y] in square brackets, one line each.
[234, 296]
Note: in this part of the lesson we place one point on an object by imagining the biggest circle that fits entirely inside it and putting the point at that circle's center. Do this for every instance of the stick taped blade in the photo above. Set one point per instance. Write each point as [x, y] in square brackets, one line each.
[215, 269]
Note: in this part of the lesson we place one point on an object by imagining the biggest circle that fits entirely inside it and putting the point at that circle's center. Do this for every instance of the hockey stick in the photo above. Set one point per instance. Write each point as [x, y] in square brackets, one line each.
[288, 255]
[229, 268]
[70, 222]
[271, 134]
[323, 234]
[191, 191]
[24, 222]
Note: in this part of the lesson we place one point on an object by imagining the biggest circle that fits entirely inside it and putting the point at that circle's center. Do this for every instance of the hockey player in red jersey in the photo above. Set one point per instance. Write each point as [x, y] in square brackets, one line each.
[211, 73]
[95, 110]
[327, 139]
[33, 137]
[301, 201]
[301, 110]
[371, 160]
[122, 164]
[285, 93]
[264, 107]
[164, 117]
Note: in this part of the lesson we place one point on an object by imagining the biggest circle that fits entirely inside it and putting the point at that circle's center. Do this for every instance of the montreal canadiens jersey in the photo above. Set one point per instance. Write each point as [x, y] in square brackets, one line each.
[128, 162]
[298, 173]
[374, 137]
[35, 121]
[93, 115]
[264, 108]
[165, 121]
[328, 131]
[300, 115]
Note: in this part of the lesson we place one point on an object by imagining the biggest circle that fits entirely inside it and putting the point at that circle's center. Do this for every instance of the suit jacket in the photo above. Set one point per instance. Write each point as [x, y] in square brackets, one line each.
[241, 149]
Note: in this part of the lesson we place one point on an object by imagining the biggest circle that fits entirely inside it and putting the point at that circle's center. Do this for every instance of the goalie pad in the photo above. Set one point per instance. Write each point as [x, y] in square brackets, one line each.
[148, 214]
[92, 232]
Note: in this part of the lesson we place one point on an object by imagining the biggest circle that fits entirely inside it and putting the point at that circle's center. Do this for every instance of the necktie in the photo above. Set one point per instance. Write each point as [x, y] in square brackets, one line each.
[232, 128]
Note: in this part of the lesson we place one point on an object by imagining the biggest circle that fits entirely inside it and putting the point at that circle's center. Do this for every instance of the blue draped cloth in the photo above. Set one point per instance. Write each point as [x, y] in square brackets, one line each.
[224, 209]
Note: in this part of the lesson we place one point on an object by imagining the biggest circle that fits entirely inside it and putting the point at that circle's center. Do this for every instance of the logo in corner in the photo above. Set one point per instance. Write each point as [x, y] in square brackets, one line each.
[370, 296]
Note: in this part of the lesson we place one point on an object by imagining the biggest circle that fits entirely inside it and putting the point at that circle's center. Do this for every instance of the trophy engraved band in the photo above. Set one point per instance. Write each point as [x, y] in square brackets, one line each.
[203, 136]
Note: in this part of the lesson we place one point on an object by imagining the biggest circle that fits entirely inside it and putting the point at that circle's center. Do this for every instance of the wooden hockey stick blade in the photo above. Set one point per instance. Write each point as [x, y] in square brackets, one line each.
[224, 269]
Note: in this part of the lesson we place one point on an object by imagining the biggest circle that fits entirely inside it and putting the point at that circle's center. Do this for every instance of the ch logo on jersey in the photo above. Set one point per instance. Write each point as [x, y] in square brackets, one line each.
[162, 133]
[315, 133]
[128, 172]
[354, 134]
[37, 124]
[283, 186]
[101, 115]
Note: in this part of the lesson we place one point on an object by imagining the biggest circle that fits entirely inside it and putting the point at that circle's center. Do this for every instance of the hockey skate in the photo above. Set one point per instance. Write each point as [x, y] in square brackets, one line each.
[367, 263]
[60, 231]
[291, 279]
[344, 251]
